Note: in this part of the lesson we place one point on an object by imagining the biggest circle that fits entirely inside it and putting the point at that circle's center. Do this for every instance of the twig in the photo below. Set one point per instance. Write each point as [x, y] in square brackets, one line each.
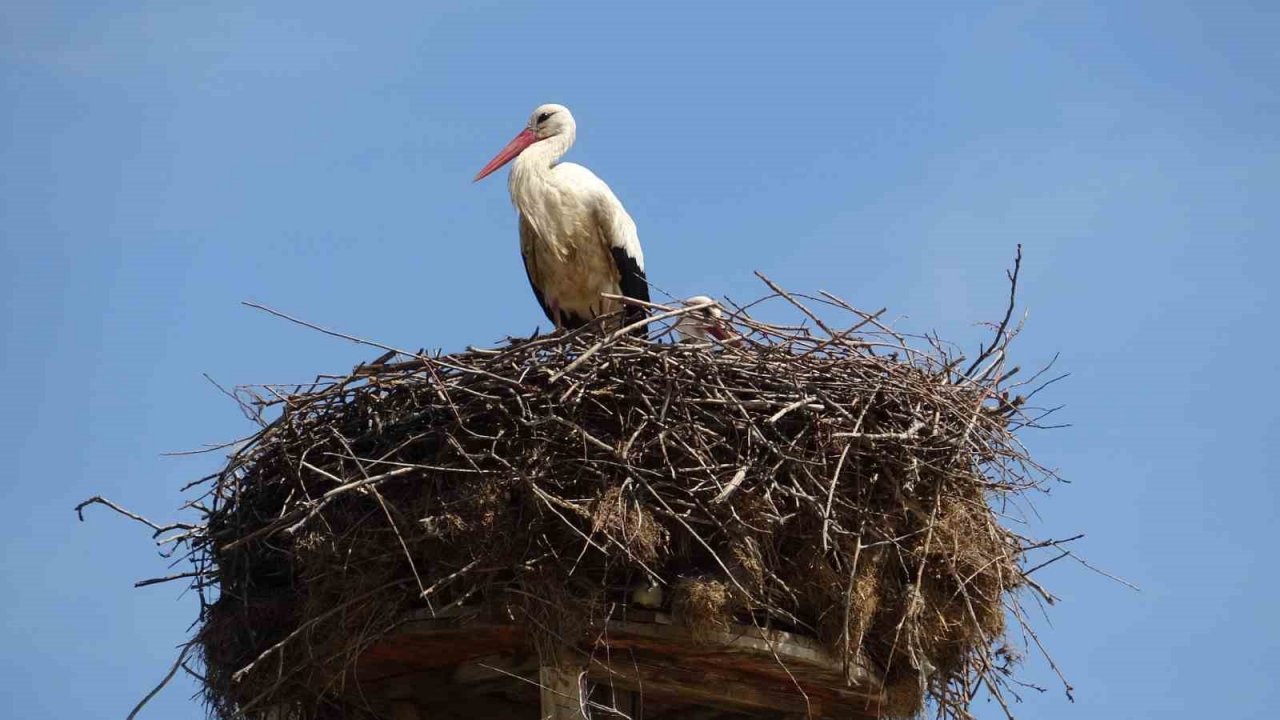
[159, 529]
[1008, 313]
[326, 331]
[730, 487]
[621, 333]
[831, 495]
[177, 664]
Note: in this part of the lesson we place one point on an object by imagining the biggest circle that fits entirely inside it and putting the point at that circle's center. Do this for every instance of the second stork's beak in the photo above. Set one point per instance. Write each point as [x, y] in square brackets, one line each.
[513, 148]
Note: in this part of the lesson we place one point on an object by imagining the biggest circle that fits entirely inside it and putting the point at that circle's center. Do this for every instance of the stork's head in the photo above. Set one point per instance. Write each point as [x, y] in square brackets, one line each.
[547, 121]
[550, 120]
[704, 323]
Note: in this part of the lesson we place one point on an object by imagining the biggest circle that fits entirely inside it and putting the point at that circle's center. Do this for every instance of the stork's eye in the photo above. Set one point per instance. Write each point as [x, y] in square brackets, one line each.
[543, 117]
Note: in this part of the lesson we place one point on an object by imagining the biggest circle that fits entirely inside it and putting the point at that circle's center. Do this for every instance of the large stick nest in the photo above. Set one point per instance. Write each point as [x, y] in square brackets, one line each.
[832, 478]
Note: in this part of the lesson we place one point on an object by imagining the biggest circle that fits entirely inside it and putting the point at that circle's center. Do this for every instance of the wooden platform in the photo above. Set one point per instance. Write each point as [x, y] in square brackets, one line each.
[642, 666]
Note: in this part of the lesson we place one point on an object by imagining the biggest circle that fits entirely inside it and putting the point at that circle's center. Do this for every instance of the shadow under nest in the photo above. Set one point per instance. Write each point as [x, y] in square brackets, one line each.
[839, 484]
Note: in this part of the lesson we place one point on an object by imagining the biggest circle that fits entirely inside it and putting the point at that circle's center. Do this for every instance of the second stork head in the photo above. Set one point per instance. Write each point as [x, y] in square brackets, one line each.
[704, 323]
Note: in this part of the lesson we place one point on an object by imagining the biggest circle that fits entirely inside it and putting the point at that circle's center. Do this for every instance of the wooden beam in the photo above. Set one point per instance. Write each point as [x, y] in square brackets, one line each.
[562, 696]
[747, 668]
[697, 687]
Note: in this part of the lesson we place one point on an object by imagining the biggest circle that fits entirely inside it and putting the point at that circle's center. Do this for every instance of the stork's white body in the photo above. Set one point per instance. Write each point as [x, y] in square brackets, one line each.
[569, 223]
[577, 240]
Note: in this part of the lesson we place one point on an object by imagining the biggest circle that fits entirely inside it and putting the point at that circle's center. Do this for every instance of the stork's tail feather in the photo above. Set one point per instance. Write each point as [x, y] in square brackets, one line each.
[632, 282]
[633, 314]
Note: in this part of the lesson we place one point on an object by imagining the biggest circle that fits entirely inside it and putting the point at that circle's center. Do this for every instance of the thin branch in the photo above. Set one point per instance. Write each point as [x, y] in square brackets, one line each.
[159, 529]
[998, 340]
[177, 665]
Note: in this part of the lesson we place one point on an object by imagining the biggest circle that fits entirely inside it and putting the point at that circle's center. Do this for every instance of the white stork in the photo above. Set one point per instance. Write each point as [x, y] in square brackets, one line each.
[576, 238]
[703, 324]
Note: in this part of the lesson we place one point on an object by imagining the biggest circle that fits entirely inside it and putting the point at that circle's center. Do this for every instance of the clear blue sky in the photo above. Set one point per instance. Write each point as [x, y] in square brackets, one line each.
[160, 163]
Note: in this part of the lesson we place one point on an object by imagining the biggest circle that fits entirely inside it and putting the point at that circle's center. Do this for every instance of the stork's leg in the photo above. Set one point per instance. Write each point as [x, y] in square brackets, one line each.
[555, 316]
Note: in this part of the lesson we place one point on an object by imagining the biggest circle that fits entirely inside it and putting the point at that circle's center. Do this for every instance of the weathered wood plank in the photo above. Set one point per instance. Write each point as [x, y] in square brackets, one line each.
[747, 669]
[562, 696]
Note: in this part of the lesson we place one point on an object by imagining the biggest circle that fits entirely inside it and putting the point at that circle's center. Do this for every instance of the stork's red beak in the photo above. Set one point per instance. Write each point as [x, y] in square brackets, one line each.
[718, 330]
[513, 148]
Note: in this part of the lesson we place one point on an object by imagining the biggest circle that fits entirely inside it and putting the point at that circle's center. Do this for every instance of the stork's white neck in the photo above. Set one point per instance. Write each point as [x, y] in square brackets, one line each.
[536, 161]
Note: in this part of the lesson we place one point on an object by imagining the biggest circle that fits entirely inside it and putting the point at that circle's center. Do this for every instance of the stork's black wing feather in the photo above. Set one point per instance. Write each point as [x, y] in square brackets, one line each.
[526, 254]
[542, 302]
[632, 282]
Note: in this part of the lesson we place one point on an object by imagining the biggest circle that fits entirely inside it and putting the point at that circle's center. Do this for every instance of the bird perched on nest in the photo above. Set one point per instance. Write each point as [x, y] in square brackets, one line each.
[577, 240]
[704, 323]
